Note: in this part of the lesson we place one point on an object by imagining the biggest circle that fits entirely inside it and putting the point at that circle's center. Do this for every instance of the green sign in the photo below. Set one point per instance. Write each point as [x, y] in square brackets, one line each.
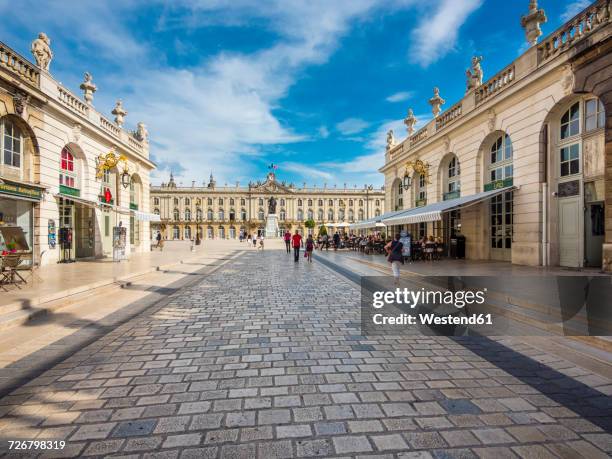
[420, 202]
[498, 184]
[133, 206]
[21, 190]
[69, 191]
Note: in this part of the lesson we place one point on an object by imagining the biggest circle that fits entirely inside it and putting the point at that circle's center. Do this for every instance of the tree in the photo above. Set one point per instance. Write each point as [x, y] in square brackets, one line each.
[322, 230]
[310, 223]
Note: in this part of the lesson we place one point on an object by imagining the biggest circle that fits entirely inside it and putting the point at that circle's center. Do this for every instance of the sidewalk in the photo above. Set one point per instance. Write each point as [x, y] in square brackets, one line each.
[376, 265]
[56, 282]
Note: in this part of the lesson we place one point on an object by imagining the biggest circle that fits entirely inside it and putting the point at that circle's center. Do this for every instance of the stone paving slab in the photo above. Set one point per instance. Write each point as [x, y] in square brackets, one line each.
[264, 358]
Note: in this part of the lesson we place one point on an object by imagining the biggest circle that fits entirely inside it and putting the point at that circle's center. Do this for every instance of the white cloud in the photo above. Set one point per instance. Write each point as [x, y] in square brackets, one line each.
[437, 33]
[572, 9]
[307, 171]
[351, 126]
[323, 132]
[399, 96]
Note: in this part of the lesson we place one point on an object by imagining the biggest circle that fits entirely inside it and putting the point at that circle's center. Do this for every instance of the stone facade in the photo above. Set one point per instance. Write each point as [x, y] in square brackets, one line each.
[51, 178]
[541, 125]
[221, 212]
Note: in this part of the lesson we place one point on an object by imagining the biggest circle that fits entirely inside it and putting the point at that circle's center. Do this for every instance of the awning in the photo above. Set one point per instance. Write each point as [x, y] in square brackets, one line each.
[146, 216]
[433, 212]
[85, 202]
[376, 221]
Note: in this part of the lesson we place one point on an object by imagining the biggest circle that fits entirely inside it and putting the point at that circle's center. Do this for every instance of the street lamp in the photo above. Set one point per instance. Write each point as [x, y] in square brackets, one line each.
[126, 178]
[407, 180]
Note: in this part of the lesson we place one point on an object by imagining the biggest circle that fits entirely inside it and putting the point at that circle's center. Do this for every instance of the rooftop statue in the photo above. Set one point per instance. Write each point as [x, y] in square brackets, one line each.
[41, 49]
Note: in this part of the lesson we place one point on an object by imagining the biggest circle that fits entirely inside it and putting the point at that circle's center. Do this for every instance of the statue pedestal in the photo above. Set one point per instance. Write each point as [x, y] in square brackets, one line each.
[272, 226]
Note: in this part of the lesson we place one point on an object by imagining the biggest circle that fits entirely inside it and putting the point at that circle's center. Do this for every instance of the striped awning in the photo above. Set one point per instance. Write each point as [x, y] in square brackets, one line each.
[433, 212]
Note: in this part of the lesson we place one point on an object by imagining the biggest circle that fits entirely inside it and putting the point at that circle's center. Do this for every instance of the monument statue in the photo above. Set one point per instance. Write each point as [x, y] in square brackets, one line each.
[41, 49]
[272, 206]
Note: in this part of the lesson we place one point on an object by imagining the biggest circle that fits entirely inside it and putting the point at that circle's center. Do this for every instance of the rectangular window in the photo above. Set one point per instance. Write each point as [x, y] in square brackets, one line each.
[570, 160]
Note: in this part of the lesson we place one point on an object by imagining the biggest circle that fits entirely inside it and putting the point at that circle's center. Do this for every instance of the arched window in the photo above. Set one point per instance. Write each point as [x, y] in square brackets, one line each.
[330, 215]
[320, 203]
[299, 202]
[310, 214]
[595, 115]
[220, 201]
[176, 232]
[283, 215]
[221, 214]
[199, 214]
[232, 232]
[361, 203]
[360, 214]
[68, 170]
[187, 202]
[243, 215]
[242, 201]
[310, 202]
[156, 201]
[351, 215]
[341, 215]
[231, 201]
[187, 215]
[260, 214]
[232, 215]
[320, 214]
[300, 215]
[452, 182]
[330, 203]
[12, 143]
[500, 169]
[188, 232]
[209, 215]
[282, 201]
[500, 165]
[570, 122]
[177, 215]
[209, 201]
[210, 233]
[221, 232]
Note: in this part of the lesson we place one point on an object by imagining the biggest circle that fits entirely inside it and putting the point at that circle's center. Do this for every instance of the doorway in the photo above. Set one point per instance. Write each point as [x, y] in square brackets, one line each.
[594, 230]
[501, 216]
[84, 231]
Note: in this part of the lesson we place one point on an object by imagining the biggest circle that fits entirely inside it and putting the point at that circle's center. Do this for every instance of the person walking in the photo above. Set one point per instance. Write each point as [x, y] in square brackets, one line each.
[255, 240]
[288, 241]
[296, 241]
[309, 248]
[336, 241]
[261, 242]
[160, 242]
[395, 257]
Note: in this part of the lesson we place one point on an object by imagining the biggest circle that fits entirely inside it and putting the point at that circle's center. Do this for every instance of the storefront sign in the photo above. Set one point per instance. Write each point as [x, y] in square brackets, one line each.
[20, 190]
[420, 202]
[499, 184]
[69, 191]
[51, 234]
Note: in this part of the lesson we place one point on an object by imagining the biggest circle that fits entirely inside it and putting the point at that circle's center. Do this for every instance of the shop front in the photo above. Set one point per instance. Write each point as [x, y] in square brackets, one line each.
[17, 204]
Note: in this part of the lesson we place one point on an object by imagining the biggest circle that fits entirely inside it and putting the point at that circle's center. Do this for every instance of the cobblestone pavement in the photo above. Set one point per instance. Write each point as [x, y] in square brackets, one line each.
[263, 358]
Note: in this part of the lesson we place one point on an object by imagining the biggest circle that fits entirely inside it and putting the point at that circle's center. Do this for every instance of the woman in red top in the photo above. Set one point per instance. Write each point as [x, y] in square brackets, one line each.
[296, 241]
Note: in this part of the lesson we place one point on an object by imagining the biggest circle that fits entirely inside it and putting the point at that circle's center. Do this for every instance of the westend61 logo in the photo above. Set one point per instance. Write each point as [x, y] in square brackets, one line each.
[413, 298]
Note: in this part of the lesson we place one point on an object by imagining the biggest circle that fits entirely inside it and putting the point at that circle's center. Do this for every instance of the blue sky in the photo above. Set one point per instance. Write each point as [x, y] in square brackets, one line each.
[230, 86]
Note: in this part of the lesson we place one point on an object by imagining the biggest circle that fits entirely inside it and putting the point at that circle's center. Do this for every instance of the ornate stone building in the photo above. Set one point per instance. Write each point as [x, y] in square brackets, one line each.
[221, 212]
[522, 164]
[66, 171]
